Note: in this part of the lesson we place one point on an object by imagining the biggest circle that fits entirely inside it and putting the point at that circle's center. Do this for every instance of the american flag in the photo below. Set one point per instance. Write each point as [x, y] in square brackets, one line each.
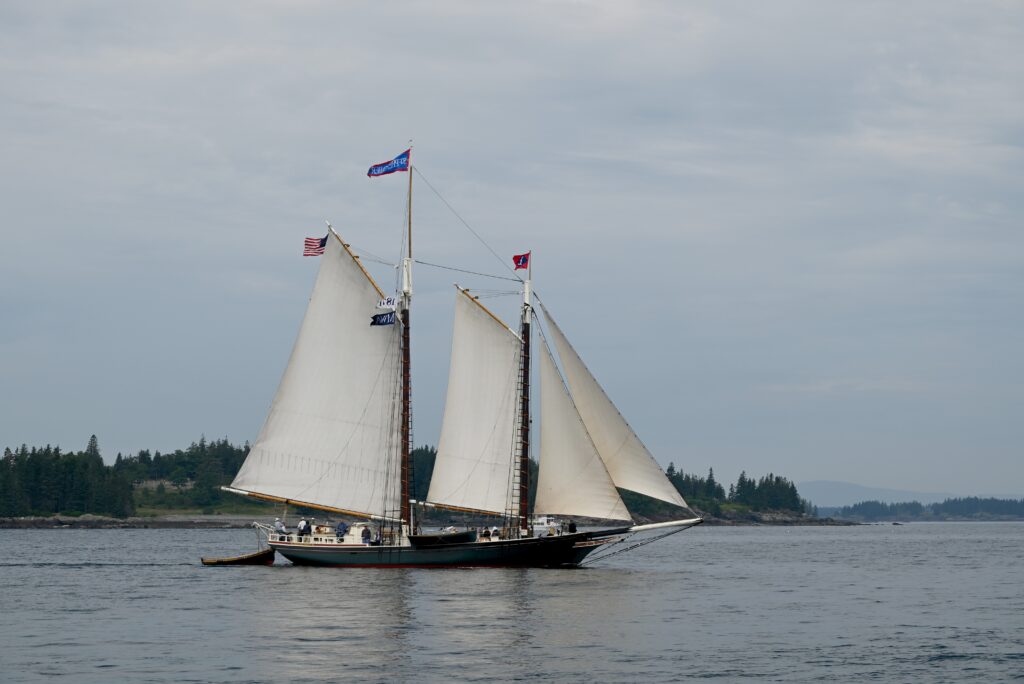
[314, 246]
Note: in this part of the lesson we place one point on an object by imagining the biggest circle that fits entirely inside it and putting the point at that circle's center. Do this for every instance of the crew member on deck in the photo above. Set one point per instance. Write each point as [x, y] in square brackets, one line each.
[279, 526]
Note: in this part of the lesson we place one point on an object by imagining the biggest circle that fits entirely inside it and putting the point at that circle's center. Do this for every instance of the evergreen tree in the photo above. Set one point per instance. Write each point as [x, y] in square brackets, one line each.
[205, 491]
[422, 468]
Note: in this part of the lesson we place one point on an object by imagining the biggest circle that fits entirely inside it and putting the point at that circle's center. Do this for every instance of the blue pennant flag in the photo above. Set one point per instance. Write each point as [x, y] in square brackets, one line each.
[383, 319]
[399, 163]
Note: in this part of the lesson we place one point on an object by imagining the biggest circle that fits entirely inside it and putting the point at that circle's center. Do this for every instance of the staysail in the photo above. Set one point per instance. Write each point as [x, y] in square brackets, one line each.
[474, 454]
[572, 479]
[332, 438]
[629, 463]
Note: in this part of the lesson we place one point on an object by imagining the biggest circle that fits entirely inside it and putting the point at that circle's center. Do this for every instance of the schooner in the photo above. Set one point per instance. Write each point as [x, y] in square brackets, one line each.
[338, 435]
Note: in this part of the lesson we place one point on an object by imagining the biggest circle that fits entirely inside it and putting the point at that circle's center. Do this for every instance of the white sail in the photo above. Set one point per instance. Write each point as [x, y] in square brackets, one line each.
[572, 479]
[332, 437]
[628, 461]
[474, 454]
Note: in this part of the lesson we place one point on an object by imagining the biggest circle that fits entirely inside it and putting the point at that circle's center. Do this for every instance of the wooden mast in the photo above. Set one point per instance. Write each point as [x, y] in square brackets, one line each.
[524, 408]
[406, 511]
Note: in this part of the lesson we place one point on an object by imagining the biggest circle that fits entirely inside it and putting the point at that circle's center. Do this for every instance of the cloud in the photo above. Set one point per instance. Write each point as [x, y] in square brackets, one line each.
[735, 211]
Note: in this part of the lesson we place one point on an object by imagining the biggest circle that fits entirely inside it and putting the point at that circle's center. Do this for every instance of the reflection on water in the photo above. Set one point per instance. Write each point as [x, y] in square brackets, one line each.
[936, 601]
[328, 623]
[435, 623]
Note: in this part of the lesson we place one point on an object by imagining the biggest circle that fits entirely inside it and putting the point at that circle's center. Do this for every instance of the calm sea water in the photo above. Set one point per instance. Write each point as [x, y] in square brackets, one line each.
[926, 602]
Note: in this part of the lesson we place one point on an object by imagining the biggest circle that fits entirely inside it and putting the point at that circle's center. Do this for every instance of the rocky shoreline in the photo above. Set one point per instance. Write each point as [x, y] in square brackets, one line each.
[99, 522]
[192, 522]
[777, 520]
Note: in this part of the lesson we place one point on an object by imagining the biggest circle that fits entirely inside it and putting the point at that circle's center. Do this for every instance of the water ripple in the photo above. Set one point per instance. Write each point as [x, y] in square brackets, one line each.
[759, 604]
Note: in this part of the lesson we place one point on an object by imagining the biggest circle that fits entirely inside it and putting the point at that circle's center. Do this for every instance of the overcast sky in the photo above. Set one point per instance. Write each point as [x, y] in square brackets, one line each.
[785, 236]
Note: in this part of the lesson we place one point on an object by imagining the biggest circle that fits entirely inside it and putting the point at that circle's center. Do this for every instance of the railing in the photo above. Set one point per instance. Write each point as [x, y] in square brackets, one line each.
[388, 537]
[293, 538]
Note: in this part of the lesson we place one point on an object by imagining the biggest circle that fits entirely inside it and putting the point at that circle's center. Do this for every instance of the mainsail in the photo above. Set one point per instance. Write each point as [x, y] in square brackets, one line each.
[472, 469]
[629, 463]
[332, 438]
[572, 479]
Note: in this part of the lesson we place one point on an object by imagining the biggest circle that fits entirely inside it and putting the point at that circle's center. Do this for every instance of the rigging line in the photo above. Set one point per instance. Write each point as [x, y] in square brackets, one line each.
[468, 227]
[499, 294]
[637, 545]
[462, 270]
[365, 257]
[370, 256]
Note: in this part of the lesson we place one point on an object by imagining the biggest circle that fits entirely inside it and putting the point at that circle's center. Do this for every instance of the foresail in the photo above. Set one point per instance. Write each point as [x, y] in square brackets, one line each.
[628, 461]
[332, 437]
[572, 479]
[474, 454]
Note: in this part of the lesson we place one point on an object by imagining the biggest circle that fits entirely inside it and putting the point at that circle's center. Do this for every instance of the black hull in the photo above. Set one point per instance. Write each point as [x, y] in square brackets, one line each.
[463, 537]
[565, 551]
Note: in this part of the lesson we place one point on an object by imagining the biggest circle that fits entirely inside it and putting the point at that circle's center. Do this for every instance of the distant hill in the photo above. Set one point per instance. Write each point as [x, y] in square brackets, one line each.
[828, 493]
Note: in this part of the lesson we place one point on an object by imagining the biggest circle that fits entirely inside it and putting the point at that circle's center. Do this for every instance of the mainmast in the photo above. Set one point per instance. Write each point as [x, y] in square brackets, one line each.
[407, 368]
[524, 407]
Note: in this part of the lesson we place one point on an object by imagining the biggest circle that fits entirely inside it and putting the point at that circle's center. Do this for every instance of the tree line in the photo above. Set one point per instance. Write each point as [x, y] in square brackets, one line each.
[768, 493]
[43, 481]
[959, 508]
[184, 478]
[47, 480]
